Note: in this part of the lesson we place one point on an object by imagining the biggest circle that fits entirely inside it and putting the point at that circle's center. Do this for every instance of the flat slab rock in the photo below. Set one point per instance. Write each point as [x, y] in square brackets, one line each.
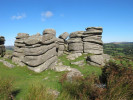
[7, 64]
[79, 63]
[74, 56]
[64, 35]
[98, 60]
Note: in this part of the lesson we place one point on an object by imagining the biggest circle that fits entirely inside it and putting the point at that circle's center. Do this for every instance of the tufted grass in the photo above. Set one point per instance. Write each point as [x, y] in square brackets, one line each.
[86, 69]
[25, 78]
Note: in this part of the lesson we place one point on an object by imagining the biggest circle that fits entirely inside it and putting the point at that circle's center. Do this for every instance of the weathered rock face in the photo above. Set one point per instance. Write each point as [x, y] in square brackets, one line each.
[62, 43]
[38, 52]
[19, 47]
[88, 41]
[98, 60]
[2, 47]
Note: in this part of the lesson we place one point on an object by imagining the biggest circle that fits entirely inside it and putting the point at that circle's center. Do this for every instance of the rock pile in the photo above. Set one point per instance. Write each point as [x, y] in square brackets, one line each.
[92, 43]
[75, 42]
[2, 47]
[39, 51]
[88, 41]
[62, 44]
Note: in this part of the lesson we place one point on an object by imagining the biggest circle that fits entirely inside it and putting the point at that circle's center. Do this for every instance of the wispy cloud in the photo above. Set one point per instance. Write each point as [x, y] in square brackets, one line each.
[18, 16]
[46, 15]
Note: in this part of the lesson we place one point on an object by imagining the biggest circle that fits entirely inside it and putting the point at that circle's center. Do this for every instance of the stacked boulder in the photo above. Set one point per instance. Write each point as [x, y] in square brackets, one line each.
[39, 51]
[92, 42]
[19, 47]
[75, 42]
[88, 41]
[2, 47]
[62, 44]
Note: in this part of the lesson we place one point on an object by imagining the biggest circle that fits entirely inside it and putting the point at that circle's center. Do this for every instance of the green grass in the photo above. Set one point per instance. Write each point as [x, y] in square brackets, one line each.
[86, 69]
[25, 78]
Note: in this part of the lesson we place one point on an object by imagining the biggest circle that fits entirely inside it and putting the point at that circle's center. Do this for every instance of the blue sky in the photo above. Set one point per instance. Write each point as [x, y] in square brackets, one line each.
[32, 16]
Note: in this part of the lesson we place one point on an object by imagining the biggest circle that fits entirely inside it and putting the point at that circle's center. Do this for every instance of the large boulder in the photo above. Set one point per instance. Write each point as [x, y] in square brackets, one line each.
[77, 34]
[93, 30]
[98, 60]
[49, 31]
[35, 61]
[22, 35]
[76, 47]
[64, 35]
[35, 39]
[92, 48]
[47, 64]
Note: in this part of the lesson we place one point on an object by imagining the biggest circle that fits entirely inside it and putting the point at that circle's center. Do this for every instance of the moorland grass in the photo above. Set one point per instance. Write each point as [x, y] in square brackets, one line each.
[25, 78]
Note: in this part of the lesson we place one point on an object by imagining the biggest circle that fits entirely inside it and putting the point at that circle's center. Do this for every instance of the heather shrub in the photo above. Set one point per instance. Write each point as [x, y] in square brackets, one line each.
[39, 92]
[83, 88]
[119, 81]
[6, 88]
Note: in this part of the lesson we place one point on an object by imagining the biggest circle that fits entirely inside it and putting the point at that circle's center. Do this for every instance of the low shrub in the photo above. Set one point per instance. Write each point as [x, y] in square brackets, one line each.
[39, 92]
[115, 83]
[119, 81]
[6, 89]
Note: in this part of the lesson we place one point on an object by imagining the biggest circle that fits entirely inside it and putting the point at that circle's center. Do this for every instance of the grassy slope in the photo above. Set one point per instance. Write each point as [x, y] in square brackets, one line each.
[24, 78]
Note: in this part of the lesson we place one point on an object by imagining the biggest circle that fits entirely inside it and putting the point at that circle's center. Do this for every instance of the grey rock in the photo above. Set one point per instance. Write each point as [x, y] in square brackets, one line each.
[21, 41]
[38, 50]
[74, 56]
[74, 40]
[18, 61]
[93, 28]
[73, 73]
[22, 35]
[47, 37]
[75, 47]
[61, 68]
[60, 40]
[79, 63]
[44, 66]
[17, 54]
[19, 50]
[33, 46]
[35, 39]
[19, 45]
[93, 39]
[92, 48]
[7, 64]
[53, 40]
[93, 51]
[64, 35]
[60, 53]
[49, 31]
[98, 60]
[34, 61]
[77, 34]
[61, 47]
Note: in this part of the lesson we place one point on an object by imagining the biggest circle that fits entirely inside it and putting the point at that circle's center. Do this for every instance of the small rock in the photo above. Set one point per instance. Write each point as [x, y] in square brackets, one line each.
[73, 56]
[79, 63]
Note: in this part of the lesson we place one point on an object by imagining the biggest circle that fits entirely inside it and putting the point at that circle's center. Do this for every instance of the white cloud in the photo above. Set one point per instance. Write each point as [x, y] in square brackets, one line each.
[46, 15]
[18, 16]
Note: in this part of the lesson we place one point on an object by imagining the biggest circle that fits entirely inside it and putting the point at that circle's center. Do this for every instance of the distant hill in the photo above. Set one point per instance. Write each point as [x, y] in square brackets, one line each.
[119, 48]
[10, 48]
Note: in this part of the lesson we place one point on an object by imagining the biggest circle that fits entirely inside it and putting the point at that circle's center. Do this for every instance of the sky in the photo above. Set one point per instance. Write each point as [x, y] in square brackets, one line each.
[33, 16]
